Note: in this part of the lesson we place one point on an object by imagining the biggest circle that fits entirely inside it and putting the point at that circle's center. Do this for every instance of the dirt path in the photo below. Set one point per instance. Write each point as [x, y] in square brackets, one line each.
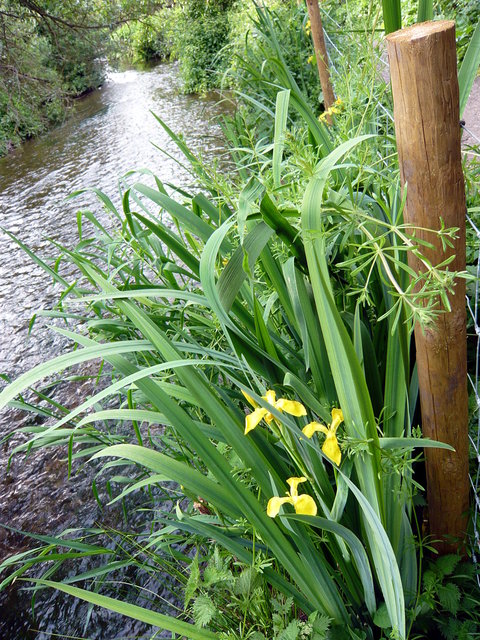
[471, 115]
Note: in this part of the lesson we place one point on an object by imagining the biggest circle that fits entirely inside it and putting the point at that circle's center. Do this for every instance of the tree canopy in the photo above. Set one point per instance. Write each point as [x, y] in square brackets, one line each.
[52, 49]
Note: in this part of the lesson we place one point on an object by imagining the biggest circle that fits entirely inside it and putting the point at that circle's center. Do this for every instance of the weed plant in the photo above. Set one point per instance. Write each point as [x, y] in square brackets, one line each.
[258, 333]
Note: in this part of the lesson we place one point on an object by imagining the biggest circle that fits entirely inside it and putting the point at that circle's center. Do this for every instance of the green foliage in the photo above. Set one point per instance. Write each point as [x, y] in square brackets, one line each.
[30, 90]
[193, 32]
[392, 15]
[149, 39]
[447, 605]
[235, 595]
[25, 115]
[201, 33]
[203, 610]
[52, 51]
[250, 49]
[289, 275]
[76, 60]
[366, 15]
[466, 14]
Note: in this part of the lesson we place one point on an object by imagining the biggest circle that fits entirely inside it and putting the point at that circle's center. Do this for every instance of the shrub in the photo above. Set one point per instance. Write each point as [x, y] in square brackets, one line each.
[149, 39]
[201, 33]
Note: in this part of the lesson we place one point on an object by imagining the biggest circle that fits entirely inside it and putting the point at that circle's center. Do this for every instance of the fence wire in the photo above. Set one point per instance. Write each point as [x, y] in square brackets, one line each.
[473, 305]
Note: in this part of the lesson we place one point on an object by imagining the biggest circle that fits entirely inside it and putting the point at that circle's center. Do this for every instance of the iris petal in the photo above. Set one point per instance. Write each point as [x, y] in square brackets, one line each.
[293, 484]
[312, 427]
[249, 399]
[337, 419]
[331, 449]
[268, 417]
[292, 407]
[254, 418]
[305, 505]
[270, 397]
[274, 504]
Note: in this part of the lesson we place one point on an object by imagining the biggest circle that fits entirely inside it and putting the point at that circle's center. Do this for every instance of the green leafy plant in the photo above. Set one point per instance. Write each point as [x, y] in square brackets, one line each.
[151, 39]
[202, 32]
[258, 332]
[448, 602]
[262, 351]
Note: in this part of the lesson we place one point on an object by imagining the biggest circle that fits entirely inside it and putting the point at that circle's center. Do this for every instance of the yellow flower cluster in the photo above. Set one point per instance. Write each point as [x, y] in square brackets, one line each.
[303, 504]
[335, 108]
[330, 447]
[308, 28]
[289, 406]
[310, 59]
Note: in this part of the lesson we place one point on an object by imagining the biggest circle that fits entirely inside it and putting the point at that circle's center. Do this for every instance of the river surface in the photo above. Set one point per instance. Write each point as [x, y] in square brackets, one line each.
[110, 132]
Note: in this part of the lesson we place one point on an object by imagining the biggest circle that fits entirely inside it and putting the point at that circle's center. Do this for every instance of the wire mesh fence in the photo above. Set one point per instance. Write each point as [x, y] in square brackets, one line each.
[473, 305]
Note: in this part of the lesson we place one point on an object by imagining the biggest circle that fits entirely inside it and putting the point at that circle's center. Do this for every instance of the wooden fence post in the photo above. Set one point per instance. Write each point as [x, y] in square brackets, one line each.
[423, 70]
[321, 54]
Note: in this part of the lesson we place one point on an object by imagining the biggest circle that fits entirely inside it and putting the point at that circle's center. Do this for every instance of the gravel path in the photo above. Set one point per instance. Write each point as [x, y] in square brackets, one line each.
[471, 115]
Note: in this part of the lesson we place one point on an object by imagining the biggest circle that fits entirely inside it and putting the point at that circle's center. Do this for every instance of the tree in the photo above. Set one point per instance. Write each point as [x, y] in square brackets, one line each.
[51, 50]
[321, 55]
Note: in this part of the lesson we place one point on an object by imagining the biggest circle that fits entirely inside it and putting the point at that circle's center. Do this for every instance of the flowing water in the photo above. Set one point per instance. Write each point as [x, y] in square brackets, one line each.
[110, 132]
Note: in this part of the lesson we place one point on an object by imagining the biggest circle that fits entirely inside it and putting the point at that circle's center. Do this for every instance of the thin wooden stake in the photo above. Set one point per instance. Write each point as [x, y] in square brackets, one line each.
[321, 55]
[423, 70]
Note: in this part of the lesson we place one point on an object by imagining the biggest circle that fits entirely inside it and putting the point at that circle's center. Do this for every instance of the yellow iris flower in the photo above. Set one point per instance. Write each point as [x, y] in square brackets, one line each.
[330, 447]
[303, 504]
[292, 407]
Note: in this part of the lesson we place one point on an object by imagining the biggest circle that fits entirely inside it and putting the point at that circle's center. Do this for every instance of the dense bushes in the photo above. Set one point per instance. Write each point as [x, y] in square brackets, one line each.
[43, 67]
[466, 13]
[193, 32]
[30, 90]
[211, 39]
[203, 32]
[147, 40]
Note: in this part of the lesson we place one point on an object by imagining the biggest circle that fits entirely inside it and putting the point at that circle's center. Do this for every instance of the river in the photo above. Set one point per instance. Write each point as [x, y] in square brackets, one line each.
[110, 132]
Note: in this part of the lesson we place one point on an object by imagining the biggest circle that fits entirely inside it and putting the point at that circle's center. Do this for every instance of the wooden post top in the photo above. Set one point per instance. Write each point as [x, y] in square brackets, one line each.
[420, 31]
